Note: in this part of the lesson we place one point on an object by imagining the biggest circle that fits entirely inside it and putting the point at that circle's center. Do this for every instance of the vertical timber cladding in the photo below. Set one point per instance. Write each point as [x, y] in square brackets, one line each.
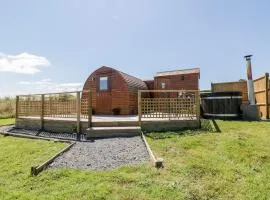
[267, 95]
[121, 94]
[239, 86]
[261, 87]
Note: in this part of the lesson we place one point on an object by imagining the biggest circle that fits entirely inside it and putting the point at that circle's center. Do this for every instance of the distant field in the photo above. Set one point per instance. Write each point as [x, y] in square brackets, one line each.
[7, 107]
[233, 164]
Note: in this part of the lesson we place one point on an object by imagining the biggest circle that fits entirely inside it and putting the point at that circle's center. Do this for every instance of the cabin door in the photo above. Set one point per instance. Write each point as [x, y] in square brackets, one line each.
[104, 96]
[104, 103]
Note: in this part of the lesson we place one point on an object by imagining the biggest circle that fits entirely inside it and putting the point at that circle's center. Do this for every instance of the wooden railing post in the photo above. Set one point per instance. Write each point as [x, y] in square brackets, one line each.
[197, 94]
[78, 110]
[266, 95]
[139, 108]
[169, 109]
[42, 113]
[89, 109]
[17, 107]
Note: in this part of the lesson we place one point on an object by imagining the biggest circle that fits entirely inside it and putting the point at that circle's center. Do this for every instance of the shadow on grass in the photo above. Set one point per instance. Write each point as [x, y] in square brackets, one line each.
[207, 126]
[216, 126]
[172, 134]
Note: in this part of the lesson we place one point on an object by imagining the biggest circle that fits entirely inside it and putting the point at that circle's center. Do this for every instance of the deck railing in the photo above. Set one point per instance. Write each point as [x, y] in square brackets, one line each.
[168, 104]
[55, 105]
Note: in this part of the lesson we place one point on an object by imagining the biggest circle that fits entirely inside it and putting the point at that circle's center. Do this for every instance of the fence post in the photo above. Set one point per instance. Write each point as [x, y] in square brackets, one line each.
[266, 95]
[139, 108]
[42, 113]
[78, 110]
[89, 109]
[17, 107]
[198, 105]
[169, 108]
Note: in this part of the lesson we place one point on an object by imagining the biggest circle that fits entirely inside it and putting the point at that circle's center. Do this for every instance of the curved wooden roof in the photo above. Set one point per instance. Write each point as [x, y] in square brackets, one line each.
[134, 84]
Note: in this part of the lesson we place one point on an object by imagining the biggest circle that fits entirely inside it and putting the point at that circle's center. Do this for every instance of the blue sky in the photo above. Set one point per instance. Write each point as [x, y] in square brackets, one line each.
[55, 45]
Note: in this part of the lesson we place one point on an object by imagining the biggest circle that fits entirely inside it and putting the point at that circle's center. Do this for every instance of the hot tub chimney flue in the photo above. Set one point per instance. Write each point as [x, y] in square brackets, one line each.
[250, 85]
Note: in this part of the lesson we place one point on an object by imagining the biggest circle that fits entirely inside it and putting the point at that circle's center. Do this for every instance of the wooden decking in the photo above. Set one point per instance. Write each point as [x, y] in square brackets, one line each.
[111, 118]
[70, 125]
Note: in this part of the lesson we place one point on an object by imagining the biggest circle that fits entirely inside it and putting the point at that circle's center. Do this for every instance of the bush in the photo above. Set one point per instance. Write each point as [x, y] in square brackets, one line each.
[7, 107]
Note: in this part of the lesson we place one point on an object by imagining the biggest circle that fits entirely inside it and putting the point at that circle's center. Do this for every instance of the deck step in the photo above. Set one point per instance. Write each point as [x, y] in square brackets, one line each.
[115, 123]
[105, 132]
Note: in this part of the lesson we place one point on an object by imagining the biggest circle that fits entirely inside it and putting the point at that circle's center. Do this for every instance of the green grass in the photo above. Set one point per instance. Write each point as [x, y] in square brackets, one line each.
[233, 164]
[7, 121]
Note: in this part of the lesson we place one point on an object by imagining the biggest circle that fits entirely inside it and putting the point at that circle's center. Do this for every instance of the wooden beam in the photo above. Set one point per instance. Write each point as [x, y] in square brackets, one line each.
[42, 113]
[78, 110]
[259, 91]
[198, 110]
[27, 95]
[266, 94]
[90, 109]
[139, 107]
[35, 170]
[17, 106]
[168, 91]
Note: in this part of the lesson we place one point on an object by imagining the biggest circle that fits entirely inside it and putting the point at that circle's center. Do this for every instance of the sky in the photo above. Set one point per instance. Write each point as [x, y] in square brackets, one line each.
[54, 45]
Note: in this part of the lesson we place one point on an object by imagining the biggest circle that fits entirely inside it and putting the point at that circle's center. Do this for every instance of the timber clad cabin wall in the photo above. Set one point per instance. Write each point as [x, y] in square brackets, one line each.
[232, 87]
[150, 84]
[178, 82]
[268, 98]
[261, 89]
[118, 92]
[122, 92]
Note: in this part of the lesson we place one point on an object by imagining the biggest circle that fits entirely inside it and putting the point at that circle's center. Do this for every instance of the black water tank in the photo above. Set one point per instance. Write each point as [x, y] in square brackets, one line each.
[221, 105]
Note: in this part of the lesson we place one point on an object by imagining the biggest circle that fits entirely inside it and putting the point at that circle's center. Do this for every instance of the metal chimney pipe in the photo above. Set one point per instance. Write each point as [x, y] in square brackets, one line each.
[250, 85]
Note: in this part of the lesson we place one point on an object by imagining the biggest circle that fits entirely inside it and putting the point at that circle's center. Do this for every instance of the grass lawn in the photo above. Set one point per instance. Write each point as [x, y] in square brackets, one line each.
[7, 121]
[233, 164]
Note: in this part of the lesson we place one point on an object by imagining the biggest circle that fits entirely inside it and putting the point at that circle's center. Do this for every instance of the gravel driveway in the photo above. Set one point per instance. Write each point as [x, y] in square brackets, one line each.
[104, 154]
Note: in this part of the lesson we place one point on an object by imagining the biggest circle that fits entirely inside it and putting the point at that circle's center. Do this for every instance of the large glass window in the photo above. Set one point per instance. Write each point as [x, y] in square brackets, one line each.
[103, 83]
[163, 85]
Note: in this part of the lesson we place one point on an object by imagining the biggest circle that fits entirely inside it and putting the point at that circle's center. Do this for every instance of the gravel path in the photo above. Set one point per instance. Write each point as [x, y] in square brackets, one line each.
[104, 154]
[7, 128]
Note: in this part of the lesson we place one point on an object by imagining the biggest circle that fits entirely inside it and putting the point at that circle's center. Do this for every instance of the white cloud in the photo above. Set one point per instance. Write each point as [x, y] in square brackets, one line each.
[23, 63]
[46, 85]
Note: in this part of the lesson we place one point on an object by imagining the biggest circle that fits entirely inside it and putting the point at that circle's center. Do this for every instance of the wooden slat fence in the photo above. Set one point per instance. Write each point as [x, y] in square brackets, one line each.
[261, 88]
[238, 86]
[168, 104]
[262, 94]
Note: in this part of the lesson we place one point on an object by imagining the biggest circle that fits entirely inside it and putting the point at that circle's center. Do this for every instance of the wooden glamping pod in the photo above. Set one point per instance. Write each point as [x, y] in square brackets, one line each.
[221, 105]
[113, 92]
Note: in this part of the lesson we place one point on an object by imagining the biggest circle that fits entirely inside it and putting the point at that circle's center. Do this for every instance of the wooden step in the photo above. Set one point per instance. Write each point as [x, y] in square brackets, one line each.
[105, 132]
[115, 124]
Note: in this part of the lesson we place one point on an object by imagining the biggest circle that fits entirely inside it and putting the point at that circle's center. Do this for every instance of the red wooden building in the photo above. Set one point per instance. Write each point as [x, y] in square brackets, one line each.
[113, 90]
[117, 92]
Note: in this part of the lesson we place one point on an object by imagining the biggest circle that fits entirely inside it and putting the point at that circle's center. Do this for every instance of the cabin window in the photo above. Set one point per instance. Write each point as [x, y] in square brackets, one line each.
[163, 85]
[182, 77]
[103, 83]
